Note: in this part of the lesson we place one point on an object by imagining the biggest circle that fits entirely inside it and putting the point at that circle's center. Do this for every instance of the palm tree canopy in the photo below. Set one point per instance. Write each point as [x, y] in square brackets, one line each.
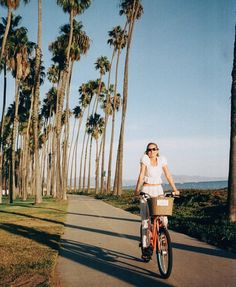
[49, 103]
[80, 41]
[95, 125]
[128, 7]
[77, 111]
[74, 6]
[80, 44]
[118, 38]
[15, 21]
[87, 92]
[13, 4]
[103, 65]
[53, 74]
[18, 50]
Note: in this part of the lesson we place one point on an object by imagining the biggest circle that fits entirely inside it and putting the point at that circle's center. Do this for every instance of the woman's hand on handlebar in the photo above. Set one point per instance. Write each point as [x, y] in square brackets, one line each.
[176, 193]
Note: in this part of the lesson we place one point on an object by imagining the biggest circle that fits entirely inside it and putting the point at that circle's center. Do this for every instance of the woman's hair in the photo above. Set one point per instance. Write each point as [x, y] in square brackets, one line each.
[146, 152]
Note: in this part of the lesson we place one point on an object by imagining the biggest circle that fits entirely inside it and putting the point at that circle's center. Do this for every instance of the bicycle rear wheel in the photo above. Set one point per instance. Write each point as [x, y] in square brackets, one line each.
[164, 253]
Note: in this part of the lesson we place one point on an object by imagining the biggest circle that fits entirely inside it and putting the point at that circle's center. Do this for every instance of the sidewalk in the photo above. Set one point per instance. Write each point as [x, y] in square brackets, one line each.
[100, 248]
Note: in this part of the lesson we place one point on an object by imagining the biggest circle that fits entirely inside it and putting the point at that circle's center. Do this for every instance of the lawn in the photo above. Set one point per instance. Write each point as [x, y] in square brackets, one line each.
[29, 243]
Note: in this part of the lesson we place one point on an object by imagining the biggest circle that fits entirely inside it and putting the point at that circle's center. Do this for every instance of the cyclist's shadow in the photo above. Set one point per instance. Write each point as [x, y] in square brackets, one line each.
[106, 259]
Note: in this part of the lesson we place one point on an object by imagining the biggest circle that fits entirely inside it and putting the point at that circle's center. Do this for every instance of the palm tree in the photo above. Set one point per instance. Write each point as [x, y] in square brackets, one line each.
[232, 159]
[118, 39]
[49, 111]
[73, 8]
[103, 65]
[79, 46]
[10, 5]
[92, 89]
[53, 74]
[14, 23]
[85, 101]
[95, 127]
[26, 106]
[78, 114]
[38, 194]
[133, 10]
[17, 59]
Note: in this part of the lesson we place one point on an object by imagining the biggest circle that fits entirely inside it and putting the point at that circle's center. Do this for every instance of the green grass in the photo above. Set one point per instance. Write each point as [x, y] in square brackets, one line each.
[29, 242]
[199, 213]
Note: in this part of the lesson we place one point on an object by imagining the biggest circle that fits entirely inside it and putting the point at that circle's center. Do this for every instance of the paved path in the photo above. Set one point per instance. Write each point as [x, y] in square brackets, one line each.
[100, 248]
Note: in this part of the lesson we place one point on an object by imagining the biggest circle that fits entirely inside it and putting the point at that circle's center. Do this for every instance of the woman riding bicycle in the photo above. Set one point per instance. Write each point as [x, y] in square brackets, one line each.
[151, 169]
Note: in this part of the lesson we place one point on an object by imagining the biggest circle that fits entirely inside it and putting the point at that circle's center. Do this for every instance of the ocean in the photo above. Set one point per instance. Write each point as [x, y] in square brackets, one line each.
[199, 185]
[193, 185]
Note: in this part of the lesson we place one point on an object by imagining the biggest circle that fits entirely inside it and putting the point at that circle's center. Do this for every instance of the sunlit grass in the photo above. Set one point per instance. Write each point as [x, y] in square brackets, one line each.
[29, 241]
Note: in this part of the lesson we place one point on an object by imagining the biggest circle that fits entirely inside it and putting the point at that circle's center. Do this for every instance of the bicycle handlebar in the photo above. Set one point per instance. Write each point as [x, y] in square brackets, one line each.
[166, 194]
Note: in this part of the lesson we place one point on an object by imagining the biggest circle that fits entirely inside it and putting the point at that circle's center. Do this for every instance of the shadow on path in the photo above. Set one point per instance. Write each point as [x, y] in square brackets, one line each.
[106, 261]
[27, 232]
[204, 250]
[106, 217]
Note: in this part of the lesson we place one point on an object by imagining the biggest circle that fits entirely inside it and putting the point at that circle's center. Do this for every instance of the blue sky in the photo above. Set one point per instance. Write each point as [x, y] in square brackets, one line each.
[179, 77]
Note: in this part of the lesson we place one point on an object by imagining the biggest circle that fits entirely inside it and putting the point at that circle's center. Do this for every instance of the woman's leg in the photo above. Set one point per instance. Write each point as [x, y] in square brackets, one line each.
[144, 213]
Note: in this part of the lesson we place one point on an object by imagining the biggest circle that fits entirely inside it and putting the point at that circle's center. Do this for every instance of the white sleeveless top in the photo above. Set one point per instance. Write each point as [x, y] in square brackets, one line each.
[153, 173]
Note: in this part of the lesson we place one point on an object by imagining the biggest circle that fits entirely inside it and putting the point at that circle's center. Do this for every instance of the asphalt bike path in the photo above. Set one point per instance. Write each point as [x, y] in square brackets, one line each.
[100, 247]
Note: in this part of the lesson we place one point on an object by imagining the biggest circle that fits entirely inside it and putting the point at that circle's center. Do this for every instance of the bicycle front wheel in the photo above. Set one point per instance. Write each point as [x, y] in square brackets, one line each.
[164, 253]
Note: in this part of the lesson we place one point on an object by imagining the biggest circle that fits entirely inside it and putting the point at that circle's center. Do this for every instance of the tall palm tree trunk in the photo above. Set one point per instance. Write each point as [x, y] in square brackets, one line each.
[232, 158]
[60, 96]
[26, 152]
[89, 167]
[97, 168]
[105, 128]
[1, 128]
[95, 107]
[85, 163]
[119, 170]
[113, 126]
[13, 147]
[66, 135]
[72, 155]
[6, 33]
[82, 153]
[38, 193]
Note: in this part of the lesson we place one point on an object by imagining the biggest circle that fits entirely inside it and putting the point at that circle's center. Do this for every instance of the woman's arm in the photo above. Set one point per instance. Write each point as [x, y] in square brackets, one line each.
[170, 179]
[140, 179]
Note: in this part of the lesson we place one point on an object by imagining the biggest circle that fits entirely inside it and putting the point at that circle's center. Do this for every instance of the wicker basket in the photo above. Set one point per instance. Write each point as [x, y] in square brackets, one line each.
[160, 205]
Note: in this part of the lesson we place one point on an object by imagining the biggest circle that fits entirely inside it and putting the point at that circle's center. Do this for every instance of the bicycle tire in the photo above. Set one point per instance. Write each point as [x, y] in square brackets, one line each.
[146, 260]
[164, 255]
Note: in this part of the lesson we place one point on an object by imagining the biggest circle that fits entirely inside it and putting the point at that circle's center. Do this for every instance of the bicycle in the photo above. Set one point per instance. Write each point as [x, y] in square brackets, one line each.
[157, 233]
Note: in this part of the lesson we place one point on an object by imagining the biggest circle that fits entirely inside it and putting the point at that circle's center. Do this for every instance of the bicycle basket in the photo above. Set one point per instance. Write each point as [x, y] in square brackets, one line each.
[160, 205]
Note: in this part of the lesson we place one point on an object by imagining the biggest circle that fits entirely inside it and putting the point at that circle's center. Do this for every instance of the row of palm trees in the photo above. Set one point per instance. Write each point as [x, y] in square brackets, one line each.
[37, 153]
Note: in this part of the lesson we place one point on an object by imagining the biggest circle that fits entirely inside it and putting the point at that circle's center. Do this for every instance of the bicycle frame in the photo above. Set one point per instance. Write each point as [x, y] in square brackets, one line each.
[155, 228]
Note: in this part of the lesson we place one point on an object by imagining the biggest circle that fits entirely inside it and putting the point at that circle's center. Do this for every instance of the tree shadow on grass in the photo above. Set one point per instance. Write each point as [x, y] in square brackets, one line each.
[106, 232]
[74, 213]
[49, 239]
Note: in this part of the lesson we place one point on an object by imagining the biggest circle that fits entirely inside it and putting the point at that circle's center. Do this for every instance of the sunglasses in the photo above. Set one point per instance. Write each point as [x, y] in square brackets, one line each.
[152, 149]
